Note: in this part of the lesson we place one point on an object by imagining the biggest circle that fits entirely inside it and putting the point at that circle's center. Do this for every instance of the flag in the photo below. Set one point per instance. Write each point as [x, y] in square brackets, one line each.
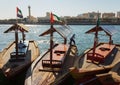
[54, 18]
[19, 13]
[98, 20]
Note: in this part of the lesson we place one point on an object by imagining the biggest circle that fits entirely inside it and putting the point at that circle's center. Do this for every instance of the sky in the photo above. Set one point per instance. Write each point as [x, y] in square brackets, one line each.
[58, 7]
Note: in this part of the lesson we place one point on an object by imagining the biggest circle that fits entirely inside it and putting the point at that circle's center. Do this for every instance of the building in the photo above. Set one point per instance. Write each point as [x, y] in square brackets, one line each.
[30, 18]
[118, 14]
[89, 15]
[108, 15]
[47, 15]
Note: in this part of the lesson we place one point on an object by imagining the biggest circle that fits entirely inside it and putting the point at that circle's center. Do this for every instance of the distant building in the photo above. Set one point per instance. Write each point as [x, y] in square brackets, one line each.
[118, 14]
[30, 18]
[89, 15]
[45, 19]
[47, 15]
[108, 15]
[67, 17]
[85, 16]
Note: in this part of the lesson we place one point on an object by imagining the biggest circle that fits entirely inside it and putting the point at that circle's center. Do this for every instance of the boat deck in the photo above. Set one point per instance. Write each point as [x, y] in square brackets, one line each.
[11, 68]
[101, 52]
[111, 59]
[58, 56]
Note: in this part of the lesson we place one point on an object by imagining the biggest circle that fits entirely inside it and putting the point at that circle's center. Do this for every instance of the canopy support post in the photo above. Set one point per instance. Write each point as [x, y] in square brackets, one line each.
[51, 45]
[23, 36]
[95, 40]
[16, 41]
[65, 40]
[110, 40]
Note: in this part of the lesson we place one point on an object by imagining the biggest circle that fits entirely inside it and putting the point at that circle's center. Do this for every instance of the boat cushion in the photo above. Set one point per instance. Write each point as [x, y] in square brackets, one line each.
[22, 49]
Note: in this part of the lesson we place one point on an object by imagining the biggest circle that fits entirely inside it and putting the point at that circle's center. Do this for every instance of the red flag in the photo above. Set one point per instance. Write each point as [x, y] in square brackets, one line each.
[51, 18]
[54, 18]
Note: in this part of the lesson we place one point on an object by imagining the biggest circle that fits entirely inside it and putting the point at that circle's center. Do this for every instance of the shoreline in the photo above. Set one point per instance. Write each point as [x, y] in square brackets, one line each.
[59, 24]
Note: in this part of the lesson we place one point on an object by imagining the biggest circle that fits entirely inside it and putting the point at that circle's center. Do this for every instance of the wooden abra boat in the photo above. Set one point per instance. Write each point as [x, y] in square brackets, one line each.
[19, 54]
[55, 62]
[102, 55]
[99, 59]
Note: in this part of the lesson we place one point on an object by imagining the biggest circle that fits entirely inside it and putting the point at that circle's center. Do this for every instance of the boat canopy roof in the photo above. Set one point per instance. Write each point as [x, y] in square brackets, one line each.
[109, 30]
[63, 30]
[20, 27]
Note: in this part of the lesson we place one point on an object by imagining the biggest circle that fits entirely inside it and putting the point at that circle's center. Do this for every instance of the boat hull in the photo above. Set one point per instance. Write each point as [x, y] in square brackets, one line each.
[85, 70]
[42, 77]
[12, 68]
[112, 77]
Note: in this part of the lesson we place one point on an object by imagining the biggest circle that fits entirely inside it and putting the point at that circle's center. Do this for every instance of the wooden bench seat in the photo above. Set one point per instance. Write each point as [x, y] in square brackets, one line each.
[58, 56]
[101, 52]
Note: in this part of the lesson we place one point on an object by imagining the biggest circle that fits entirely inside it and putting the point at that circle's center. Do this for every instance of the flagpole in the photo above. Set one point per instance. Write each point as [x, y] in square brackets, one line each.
[51, 38]
[96, 36]
[16, 35]
[16, 15]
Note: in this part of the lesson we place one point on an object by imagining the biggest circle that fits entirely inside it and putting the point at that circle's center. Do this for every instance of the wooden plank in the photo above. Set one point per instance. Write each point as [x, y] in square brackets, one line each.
[58, 57]
[59, 52]
[105, 49]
